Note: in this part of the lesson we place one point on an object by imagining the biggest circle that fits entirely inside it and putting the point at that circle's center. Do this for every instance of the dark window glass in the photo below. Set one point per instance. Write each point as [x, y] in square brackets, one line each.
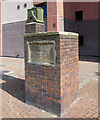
[25, 5]
[81, 41]
[18, 7]
[78, 15]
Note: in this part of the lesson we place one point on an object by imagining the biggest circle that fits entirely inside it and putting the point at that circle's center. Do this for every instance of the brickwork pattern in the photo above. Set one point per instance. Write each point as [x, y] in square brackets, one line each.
[53, 88]
[69, 70]
[34, 28]
[43, 82]
[13, 105]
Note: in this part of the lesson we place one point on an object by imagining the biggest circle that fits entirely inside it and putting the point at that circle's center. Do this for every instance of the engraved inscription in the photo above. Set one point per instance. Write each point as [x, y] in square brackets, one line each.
[42, 53]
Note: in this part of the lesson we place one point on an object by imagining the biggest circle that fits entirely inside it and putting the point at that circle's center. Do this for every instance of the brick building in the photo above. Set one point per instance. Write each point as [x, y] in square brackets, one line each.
[79, 17]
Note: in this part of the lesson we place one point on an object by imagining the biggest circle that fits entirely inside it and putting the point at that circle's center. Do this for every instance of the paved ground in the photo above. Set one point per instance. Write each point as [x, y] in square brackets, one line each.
[12, 92]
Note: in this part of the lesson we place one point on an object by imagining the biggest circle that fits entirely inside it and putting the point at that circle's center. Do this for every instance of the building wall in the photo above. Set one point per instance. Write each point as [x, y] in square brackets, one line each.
[13, 27]
[13, 39]
[51, 16]
[89, 30]
[88, 27]
[69, 25]
[10, 13]
[90, 10]
[53, 20]
[54, 12]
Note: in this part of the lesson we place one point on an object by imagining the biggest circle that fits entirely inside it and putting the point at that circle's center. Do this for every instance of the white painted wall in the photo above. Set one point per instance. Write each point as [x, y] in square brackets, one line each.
[10, 13]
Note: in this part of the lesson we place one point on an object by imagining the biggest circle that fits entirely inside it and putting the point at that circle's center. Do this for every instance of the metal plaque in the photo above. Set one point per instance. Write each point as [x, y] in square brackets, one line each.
[41, 53]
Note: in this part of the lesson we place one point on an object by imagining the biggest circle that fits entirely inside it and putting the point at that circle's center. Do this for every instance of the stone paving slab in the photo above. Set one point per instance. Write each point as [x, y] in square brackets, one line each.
[13, 94]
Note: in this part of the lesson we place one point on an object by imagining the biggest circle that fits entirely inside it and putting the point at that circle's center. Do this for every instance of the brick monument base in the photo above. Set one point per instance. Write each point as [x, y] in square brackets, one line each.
[51, 70]
[34, 27]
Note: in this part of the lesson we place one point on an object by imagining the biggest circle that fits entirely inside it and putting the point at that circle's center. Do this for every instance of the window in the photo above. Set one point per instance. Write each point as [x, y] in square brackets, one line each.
[54, 25]
[25, 5]
[18, 7]
[81, 41]
[78, 15]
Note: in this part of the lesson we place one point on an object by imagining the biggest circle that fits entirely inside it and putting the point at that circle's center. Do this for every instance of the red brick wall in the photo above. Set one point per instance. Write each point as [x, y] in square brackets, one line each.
[69, 70]
[43, 82]
[90, 10]
[54, 12]
[51, 16]
[53, 88]
[34, 28]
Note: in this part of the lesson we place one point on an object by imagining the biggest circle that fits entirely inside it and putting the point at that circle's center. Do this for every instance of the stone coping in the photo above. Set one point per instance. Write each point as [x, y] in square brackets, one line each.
[33, 23]
[50, 33]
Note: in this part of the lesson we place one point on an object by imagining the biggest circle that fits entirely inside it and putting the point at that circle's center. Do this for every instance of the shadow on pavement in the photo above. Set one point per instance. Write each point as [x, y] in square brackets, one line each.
[89, 58]
[14, 86]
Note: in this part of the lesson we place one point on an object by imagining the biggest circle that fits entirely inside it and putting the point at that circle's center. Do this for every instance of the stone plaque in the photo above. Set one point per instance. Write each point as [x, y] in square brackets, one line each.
[41, 52]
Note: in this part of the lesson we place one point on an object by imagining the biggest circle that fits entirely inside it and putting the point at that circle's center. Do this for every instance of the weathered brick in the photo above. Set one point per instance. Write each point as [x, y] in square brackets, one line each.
[53, 88]
[34, 27]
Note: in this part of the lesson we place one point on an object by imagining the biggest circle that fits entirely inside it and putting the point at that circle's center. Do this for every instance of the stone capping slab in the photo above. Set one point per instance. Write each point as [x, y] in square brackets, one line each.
[51, 33]
[33, 23]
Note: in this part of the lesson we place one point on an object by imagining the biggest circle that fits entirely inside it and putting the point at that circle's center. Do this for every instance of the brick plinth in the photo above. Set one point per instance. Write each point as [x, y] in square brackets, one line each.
[53, 88]
[34, 27]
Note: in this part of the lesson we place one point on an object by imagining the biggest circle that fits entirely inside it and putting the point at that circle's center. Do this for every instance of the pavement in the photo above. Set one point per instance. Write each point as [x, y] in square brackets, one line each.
[12, 89]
